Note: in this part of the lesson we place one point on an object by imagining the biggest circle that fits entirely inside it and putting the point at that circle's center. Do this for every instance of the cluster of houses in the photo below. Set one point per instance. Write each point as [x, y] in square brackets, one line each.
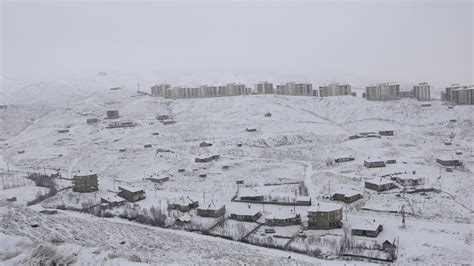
[387, 133]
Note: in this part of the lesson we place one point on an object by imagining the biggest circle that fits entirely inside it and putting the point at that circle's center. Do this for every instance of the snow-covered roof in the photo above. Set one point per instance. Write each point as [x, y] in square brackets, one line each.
[183, 201]
[347, 192]
[365, 225]
[408, 176]
[184, 218]
[303, 198]
[112, 198]
[212, 205]
[325, 207]
[250, 193]
[130, 189]
[244, 210]
[379, 181]
[281, 214]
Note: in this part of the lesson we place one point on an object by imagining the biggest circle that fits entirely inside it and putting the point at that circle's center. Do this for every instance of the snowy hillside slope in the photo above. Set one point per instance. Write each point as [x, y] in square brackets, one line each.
[86, 239]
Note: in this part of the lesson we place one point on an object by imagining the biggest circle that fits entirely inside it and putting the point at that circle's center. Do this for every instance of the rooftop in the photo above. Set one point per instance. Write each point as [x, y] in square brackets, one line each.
[347, 192]
[281, 214]
[365, 224]
[325, 207]
[379, 181]
[130, 188]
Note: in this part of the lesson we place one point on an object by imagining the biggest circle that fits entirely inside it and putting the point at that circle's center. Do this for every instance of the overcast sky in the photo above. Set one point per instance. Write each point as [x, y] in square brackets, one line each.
[397, 40]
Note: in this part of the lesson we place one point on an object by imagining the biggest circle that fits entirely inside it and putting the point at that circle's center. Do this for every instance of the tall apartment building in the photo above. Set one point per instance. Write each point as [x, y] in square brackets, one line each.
[292, 88]
[422, 91]
[335, 89]
[383, 92]
[264, 88]
[449, 96]
[463, 95]
[160, 90]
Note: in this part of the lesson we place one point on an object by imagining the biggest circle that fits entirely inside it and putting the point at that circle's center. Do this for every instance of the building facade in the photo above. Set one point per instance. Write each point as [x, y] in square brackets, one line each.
[159, 90]
[383, 92]
[325, 216]
[422, 92]
[264, 88]
[335, 89]
[85, 183]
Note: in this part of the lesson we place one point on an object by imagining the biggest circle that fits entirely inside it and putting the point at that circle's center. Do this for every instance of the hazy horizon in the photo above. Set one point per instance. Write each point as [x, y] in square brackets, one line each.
[404, 41]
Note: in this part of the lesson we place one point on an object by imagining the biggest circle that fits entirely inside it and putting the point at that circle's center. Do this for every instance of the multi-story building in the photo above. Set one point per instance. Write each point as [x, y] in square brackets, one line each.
[383, 92]
[85, 182]
[463, 95]
[264, 88]
[422, 91]
[159, 90]
[449, 92]
[292, 88]
[335, 89]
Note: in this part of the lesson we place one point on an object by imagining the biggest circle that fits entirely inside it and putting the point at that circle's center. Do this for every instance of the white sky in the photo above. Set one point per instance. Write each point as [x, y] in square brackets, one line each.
[396, 40]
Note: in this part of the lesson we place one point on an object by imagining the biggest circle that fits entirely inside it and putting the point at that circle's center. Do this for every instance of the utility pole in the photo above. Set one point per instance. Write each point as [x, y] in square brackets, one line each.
[403, 216]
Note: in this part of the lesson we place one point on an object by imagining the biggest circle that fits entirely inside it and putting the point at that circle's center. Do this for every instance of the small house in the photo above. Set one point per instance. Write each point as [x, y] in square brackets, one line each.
[211, 209]
[245, 214]
[156, 134]
[389, 246]
[449, 162]
[180, 170]
[251, 195]
[268, 114]
[112, 200]
[251, 129]
[344, 159]
[162, 117]
[147, 146]
[113, 114]
[386, 133]
[184, 204]
[374, 163]
[49, 212]
[379, 184]
[158, 179]
[207, 158]
[168, 122]
[91, 121]
[282, 218]
[325, 216]
[131, 194]
[62, 131]
[183, 219]
[205, 144]
[303, 201]
[12, 199]
[408, 179]
[366, 228]
[85, 182]
[347, 195]
[426, 105]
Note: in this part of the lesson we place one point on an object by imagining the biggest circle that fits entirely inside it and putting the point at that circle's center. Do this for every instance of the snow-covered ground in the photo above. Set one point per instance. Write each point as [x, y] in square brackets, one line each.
[298, 143]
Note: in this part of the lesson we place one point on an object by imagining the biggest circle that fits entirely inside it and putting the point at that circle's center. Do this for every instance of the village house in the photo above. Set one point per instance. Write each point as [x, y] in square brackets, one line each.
[112, 200]
[183, 219]
[85, 182]
[344, 159]
[379, 184]
[168, 122]
[162, 117]
[444, 161]
[347, 195]
[386, 133]
[282, 218]
[374, 163]
[366, 228]
[113, 114]
[184, 204]
[131, 194]
[61, 131]
[303, 201]
[49, 212]
[251, 129]
[158, 179]
[251, 195]
[91, 121]
[117, 124]
[325, 216]
[408, 179]
[245, 214]
[211, 209]
[268, 114]
[207, 158]
[205, 144]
